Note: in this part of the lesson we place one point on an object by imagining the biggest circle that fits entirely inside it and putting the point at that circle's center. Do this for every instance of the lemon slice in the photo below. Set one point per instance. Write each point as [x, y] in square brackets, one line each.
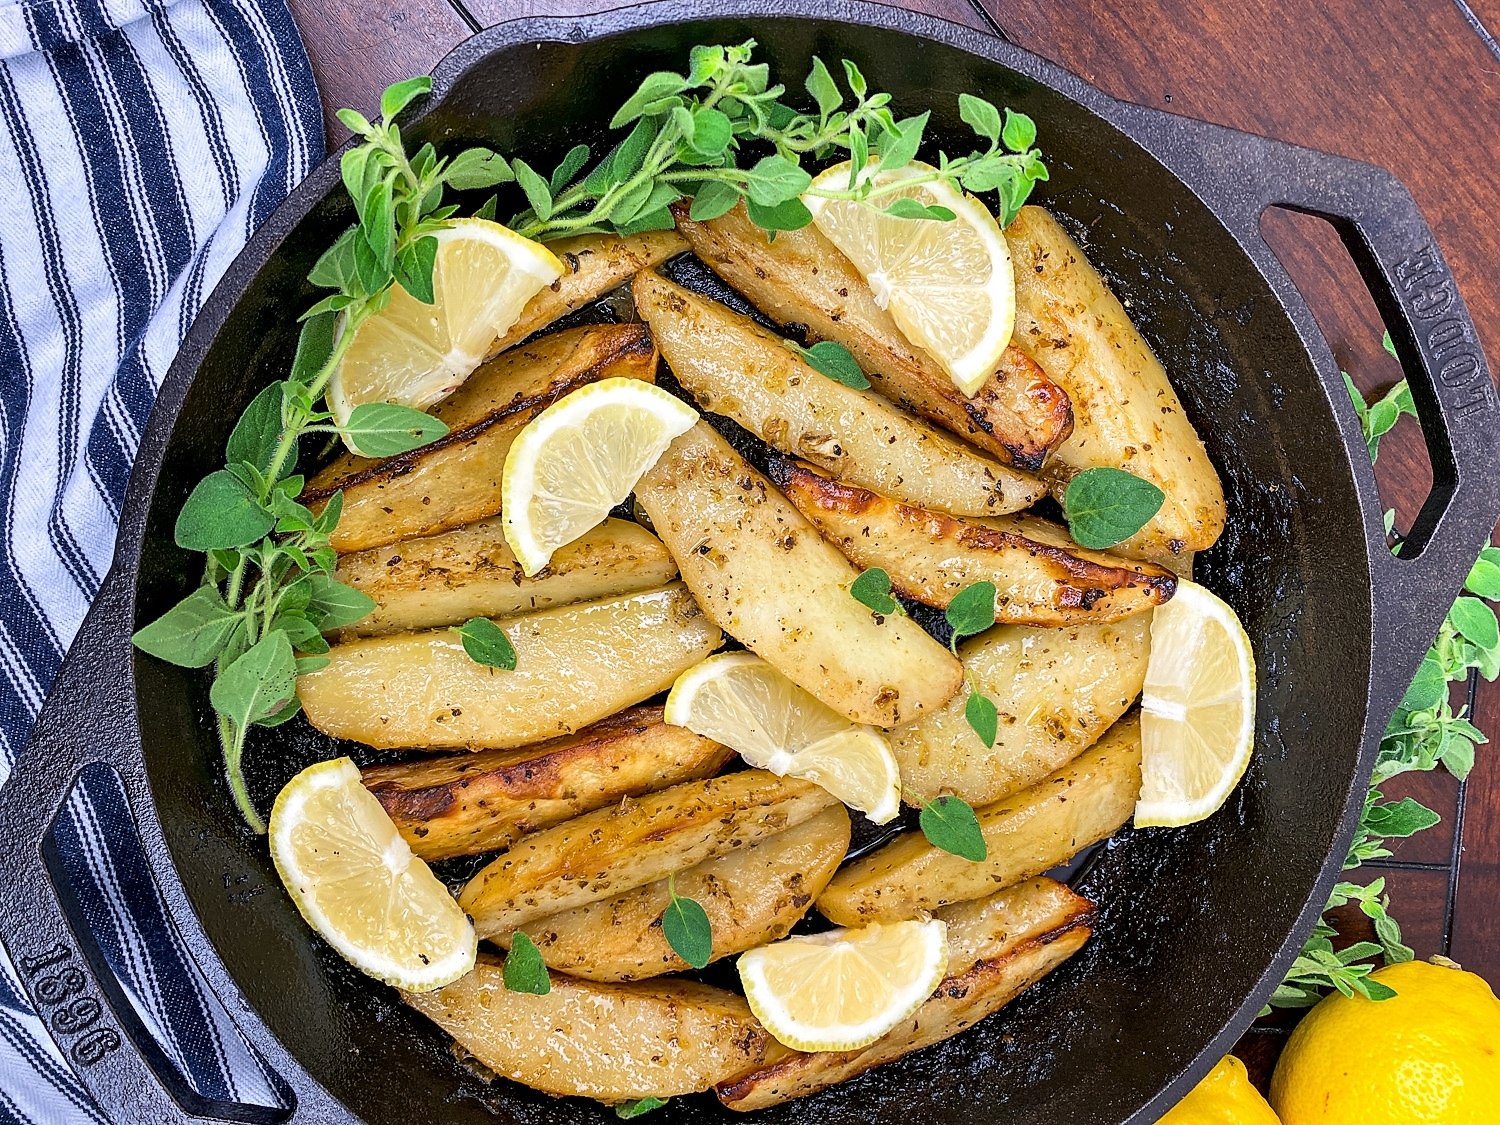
[1198, 709]
[579, 458]
[739, 700]
[358, 885]
[417, 354]
[844, 989]
[949, 286]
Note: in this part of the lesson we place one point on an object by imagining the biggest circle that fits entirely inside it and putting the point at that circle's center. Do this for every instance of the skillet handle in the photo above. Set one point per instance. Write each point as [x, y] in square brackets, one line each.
[1416, 294]
[89, 718]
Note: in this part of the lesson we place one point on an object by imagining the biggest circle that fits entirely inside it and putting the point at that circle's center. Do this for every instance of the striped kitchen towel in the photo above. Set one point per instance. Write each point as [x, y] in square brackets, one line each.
[141, 142]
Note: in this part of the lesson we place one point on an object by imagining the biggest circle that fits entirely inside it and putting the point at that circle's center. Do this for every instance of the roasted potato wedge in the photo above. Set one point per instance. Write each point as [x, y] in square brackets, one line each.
[595, 264]
[734, 367]
[1026, 834]
[472, 572]
[1019, 416]
[1056, 690]
[574, 665]
[613, 1042]
[764, 575]
[752, 896]
[1125, 413]
[482, 801]
[456, 479]
[609, 851]
[999, 947]
[1041, 576]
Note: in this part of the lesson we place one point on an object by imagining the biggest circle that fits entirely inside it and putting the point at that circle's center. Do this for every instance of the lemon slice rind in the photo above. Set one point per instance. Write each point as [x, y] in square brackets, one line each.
[1197, 709]
[572, 463]
[933, 277]
[356, 882]
[741, 701]
[844, 989]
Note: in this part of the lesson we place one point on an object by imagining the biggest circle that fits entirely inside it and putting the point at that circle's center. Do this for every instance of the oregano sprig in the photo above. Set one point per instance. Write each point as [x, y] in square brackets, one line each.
[269, 589]
[721, 133]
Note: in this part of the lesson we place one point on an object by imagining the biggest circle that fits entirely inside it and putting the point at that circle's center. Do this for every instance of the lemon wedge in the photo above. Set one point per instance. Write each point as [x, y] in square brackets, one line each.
[416, 354]
[579, 458]
[844, 989]
[360, 887]
[740, 701]
[1197, 709]
[949, 285]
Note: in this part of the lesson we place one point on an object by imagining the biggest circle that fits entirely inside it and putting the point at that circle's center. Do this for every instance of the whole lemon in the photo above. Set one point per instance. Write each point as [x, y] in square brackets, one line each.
[1428, 1056]
[1224, 1097]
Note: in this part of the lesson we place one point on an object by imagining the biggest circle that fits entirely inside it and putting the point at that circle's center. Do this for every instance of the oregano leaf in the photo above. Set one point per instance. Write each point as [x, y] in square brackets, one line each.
[972, 609]
[686, 927]
[399, 95]
[629, 1110]
[982, 717]
[949, 823]
[524, 969]
[193, 632]
[220, 513]
[1105, 506]
[872, 589]
[384, 429]
[486, 643]
[259, 684]
[980, 115]
[832, 359]
[715, 198]
[258, 431]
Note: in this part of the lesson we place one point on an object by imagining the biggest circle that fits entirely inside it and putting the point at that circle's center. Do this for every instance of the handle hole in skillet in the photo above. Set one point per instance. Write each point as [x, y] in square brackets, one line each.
[1317, 258]
[164, 1005]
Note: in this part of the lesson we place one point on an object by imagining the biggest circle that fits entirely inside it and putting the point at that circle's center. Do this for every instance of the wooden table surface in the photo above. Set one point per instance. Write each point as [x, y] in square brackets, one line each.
[1412, 86]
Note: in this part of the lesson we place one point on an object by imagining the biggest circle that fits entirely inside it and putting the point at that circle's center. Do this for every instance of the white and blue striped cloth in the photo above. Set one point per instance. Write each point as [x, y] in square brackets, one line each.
[141, 142]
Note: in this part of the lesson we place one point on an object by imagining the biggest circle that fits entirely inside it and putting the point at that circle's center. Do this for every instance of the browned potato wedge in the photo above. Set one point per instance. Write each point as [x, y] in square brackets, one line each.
[456, 479]
[482, 801]
[999, 947]
[1019, 416]
[1041, 576]
[764, 575]
[472, 572]
[1125, 413]
[574, 665]
[752, 896]
[594, 264]
[609, 851]
[1026, 834]
[1056, 690]
[734, 367]
[613, 1042]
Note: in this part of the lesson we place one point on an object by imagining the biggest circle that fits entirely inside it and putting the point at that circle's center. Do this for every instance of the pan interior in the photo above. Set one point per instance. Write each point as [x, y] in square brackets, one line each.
[1190, 918]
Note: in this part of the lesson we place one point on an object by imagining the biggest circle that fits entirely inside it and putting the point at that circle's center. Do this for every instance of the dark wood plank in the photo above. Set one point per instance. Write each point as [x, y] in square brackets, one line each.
[358, 47]
[1476, 923]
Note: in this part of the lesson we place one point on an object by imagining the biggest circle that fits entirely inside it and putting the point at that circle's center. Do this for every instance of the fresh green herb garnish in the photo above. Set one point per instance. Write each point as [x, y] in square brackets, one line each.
[949, 823]
[627, 1110]
[1424, 733]
[971, 611]
[1107, 506]
[833, 359]
[686, 927]
[872, 589]
[524, 970]
[486, 643]
[982, 716]
[688, 132]
[269, 590]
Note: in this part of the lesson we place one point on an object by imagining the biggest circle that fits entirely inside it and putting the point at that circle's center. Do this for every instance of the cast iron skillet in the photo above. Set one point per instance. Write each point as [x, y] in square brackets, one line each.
[1197, 926]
